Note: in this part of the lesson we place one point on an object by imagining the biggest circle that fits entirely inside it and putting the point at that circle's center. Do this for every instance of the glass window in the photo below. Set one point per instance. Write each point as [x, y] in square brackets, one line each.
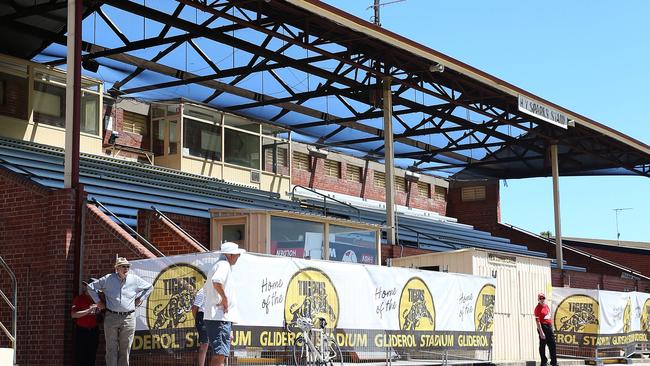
[275, 131]
[347, 244]
[235, 233]
[276, 156]
[202, 113]
[296, 238]
[241, 123]
[157, 111]
[49, 104]
[89, 113]
[242, 149]
[173, 137]
[13, 95]
[201, 139]
[159, 128]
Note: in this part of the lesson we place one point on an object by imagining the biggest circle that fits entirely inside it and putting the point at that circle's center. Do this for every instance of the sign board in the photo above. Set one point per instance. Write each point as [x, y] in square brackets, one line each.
[596, 318]
[541, 111]
[367, 307]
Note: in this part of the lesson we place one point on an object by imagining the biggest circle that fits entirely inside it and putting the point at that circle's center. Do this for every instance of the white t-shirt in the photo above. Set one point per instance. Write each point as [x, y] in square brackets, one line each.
[220, 273]
[199, 300]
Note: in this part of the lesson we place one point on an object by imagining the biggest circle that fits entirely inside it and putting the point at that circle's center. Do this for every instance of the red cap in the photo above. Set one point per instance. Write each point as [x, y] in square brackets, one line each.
[541, 296]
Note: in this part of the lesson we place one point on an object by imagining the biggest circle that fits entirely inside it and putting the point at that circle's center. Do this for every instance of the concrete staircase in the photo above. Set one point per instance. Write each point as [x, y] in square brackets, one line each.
[6, 356]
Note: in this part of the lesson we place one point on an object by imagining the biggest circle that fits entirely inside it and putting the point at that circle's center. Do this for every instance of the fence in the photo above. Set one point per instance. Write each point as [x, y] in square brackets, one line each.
[370, 348]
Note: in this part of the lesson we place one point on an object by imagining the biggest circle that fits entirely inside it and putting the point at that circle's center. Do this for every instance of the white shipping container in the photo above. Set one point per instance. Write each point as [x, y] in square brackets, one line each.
[519, 279]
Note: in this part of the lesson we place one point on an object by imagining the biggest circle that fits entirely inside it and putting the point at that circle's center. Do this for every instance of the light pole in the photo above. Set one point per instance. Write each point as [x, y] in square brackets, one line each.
[618, 233]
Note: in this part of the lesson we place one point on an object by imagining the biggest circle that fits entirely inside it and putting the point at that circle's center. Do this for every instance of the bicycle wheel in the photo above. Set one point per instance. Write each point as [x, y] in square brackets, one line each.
[300, 348]
[332, 354]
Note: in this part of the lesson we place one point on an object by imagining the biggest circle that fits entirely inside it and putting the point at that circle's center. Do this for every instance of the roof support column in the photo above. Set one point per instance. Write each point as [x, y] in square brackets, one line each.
[73, 95]
[556, 207]
[73, 129]
[389, 161]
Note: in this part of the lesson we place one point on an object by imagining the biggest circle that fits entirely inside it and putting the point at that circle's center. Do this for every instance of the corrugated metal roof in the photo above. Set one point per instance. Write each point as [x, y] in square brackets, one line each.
[125, 187]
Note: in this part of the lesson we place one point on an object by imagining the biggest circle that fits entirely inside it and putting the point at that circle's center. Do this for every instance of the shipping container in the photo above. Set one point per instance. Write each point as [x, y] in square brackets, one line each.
[519, 279]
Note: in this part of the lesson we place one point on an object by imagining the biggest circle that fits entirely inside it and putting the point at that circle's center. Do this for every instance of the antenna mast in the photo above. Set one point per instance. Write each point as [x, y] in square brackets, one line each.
[375, 19]
[618, 233]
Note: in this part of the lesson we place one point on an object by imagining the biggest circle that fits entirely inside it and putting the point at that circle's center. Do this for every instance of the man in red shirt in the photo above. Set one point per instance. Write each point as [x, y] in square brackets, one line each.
[545, 330]
[86, 336]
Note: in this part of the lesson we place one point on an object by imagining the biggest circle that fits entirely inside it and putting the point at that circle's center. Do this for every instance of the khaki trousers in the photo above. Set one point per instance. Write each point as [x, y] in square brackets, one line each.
[119, 331]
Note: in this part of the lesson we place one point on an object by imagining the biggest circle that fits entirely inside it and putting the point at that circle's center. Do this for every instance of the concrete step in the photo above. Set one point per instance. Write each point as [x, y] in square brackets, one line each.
[6, 356]
[560, 361]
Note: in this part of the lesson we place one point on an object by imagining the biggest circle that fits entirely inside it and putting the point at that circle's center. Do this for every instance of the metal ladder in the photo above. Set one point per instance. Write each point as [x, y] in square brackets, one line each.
[12, 305]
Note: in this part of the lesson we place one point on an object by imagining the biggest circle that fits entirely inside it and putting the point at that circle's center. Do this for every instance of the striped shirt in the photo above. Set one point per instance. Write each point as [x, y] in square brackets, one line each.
[120, 295]
[199, 300]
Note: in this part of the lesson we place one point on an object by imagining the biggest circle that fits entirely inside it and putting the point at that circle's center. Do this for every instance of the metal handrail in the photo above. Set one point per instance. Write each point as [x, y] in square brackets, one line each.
[325, 198]
[14, 306]
[128, 228]
[418, 233]
[159, 213]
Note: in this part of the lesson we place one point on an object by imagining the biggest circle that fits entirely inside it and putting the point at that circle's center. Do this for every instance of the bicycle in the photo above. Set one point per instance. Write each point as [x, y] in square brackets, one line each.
[313, 346]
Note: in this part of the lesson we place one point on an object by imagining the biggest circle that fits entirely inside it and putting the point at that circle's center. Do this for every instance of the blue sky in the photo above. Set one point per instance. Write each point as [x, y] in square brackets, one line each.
[590, 56]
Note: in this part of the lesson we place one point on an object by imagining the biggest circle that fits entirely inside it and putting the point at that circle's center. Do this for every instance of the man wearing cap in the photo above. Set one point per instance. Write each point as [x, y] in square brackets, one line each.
[86, 336]
[220, 308]
[545, 330]
[123, 293]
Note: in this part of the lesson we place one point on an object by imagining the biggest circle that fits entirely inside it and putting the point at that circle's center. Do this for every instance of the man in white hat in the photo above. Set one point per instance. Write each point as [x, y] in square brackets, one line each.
[123, 292]
[220, 308]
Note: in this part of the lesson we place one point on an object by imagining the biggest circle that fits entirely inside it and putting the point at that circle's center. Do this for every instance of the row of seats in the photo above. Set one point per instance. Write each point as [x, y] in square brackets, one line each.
[126, 187]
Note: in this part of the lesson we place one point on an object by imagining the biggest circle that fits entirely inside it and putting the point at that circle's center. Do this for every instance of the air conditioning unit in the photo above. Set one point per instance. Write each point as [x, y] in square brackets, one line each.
[255, 176]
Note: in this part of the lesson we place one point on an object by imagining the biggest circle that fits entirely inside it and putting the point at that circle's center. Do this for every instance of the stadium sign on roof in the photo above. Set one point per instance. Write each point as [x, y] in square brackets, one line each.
[539, 110]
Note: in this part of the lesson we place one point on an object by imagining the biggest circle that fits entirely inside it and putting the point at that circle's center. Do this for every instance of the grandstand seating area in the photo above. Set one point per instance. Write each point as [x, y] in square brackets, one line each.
[126, 187]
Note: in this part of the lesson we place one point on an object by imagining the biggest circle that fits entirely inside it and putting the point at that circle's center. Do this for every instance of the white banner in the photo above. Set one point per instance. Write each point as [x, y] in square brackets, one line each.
[600, 318]
[366, 305]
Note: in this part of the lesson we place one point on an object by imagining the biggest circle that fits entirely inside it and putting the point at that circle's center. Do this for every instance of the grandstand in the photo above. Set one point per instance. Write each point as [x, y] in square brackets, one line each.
[126, 187]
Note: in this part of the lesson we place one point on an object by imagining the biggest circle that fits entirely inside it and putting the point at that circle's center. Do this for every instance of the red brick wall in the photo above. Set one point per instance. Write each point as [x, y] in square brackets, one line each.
[103, 241]
[167, 238]
[125, 138]
[396, 251]
[540, 245]
[483, 215]
[636, 259]
[32, 217]
[595, 281]
[319, 180]
[35, 241]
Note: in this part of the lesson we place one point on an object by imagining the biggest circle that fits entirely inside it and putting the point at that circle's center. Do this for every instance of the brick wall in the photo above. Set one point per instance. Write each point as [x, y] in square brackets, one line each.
[483, 215]
[317, 179]
[35, 241]
[169, 239]
[537, 244]
[125, 138]
[595, 281]
[634, 258]
[396, 251]
[32, 217]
